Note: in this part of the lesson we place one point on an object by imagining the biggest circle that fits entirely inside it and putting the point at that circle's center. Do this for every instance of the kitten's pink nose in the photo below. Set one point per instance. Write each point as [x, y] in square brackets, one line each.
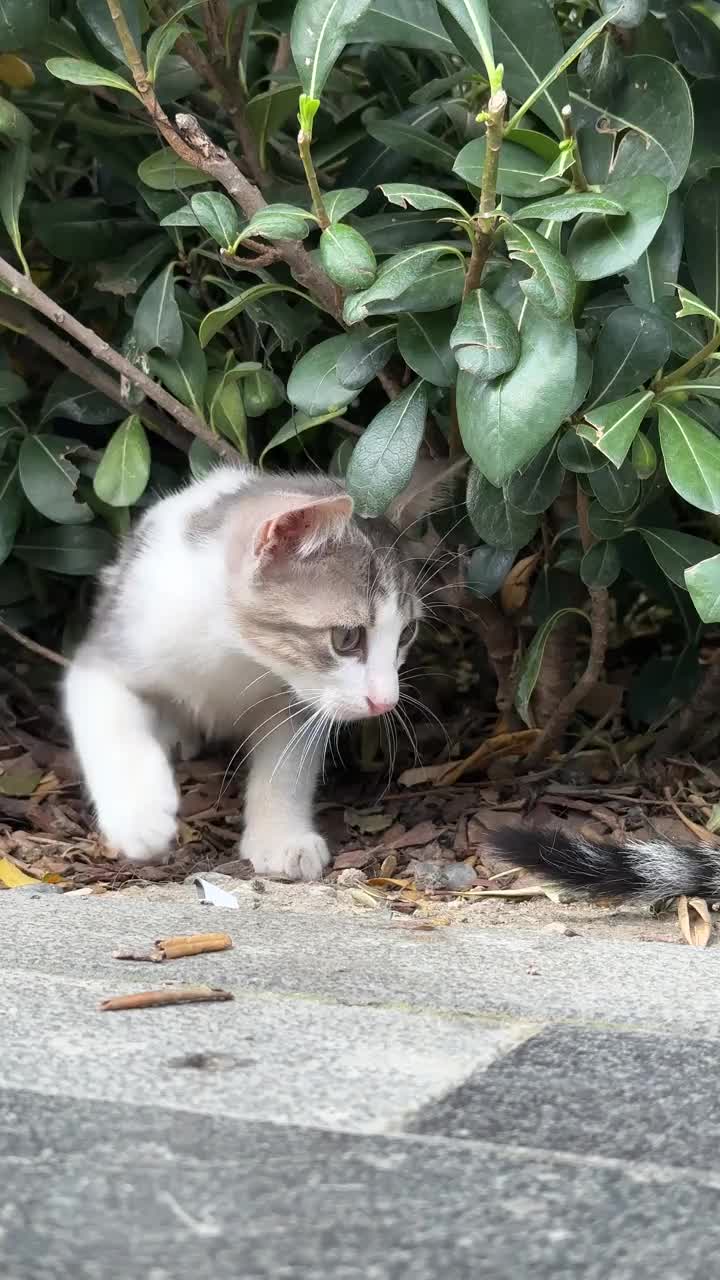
[379, 708]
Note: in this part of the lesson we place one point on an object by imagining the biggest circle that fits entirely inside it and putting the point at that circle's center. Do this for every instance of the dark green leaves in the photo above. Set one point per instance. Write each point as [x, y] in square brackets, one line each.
[77, 550]
[49, 479]
[397, 277]
[600, 565]
[363, 357]
[279, 222]
[496, 520]
[536, 487]
[424, 343]
[184, 374]
[78, 71]
[415, 196]
[570, 205]
[520, 170]
[474, 20]
[703, 582]
[384, 457]
[485, 340]
[654, 274]
[676, 551]
[313, 385]
[617, 489]
[11, 505]
[124, 469]
[157, 322]
[164, 171]
[527, 42]
[488, 569]
[702, 215]
[632, 346]
[319, 32]
[552, 285]
[532, 663]
[14, 166]
[22, 24]
[692, 458]
[503, 423]
[601, 245]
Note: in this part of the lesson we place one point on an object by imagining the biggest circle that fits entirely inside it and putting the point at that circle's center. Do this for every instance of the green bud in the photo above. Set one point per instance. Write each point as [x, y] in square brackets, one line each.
[643, 457]
[262, 391]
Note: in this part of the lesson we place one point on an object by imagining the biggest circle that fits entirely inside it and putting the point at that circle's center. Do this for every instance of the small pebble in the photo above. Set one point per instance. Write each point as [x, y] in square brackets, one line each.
[562, 930]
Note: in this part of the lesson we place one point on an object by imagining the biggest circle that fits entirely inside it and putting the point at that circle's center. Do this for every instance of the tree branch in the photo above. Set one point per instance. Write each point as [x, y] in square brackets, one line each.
[17, 316]
[599, 623]
[580, 182]
[486, 219]
[25, 290]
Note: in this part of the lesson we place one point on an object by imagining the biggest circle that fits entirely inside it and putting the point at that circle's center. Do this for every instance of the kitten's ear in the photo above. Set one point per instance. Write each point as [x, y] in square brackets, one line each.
[300, 530]
[431, 486]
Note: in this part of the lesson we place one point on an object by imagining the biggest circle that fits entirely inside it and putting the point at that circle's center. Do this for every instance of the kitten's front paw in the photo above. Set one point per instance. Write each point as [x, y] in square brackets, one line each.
[303, 857]
[141, 820]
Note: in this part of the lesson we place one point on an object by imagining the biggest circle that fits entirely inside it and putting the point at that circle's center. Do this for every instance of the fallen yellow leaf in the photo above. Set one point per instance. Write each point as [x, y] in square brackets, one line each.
[11, 875]
[16, 72]
[694, 920]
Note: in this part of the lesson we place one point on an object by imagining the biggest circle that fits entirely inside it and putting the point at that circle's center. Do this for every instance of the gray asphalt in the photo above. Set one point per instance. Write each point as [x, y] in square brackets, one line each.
[375, 1102]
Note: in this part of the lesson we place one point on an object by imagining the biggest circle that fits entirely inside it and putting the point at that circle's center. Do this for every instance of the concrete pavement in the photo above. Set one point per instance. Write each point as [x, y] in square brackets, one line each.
[376, 1101]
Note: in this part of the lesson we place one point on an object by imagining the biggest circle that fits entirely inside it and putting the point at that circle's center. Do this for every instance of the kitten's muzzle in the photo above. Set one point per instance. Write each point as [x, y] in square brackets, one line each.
[380, 708]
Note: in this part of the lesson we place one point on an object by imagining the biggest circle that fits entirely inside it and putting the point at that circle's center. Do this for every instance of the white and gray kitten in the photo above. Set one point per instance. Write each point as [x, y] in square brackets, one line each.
[246, 606]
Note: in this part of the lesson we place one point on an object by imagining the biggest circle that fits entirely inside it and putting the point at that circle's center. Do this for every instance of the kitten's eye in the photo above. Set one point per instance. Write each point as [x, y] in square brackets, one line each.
[408, 633]
[347, 639]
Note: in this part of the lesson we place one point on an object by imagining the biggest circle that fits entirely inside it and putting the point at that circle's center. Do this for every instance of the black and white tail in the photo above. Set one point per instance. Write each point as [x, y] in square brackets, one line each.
[635, 868]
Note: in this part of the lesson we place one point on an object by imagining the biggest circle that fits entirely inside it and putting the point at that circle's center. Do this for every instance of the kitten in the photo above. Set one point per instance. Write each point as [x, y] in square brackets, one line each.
[249, 606]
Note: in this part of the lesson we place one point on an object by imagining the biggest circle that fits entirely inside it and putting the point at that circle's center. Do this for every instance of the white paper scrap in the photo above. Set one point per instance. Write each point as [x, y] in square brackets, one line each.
[212, 895]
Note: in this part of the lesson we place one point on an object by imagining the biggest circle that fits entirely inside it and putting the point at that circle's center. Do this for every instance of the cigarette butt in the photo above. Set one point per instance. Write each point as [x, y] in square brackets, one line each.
[193, 944]
[170, 995]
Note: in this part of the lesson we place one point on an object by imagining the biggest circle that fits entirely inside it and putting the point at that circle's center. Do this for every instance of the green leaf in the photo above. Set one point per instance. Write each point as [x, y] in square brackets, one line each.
[347, 257]
[633, 344]
[600, 565]
[262, 391]
[488, 569]
[22, 24]
[603, 525]
[653, 276]
[617, 489]
[473, 18]
[182, 217]
[494, 518]
[527, 42]
[395, 278]
[409, 24]
[398, 135]
[216, 320]
[226, 409]
[652, 111]
[557, 71]
[643, 457]
[532, 663]
[157, 321]
[202, 459]
[217, 215]
[185, 374]
[279, 222]
[520, 171]
[485, 340]
[675, 551]
[570, 205]
[11, 508]
[97, 16]
[600, 246]
[384, 457]
[296, 426]
[552, 285]
[124, 275]
[164, 171]
[534, 489]
[124, 469]
[424, 344]
[703, 582]
[504, 422]
[163, 38]
[49, 479]
[365, 356]
[14, 167]
[78, 71]
[615, 425]
[702, 239]
[413, 195]
[691, 305]
[342, 201]
[78, 550]
[70, 397]
[267, 112]
[578, 455]
[319, 32]
[692, 458]
[313, 385]
[14, 124]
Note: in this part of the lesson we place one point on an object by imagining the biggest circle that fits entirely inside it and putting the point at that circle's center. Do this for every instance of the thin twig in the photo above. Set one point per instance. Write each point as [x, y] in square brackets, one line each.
[39, 301]
[486, 219]
[49, 654]
[579, 180]
[21, 318]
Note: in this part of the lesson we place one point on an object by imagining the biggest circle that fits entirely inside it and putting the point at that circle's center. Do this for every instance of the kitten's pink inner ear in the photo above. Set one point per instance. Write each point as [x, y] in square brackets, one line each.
[303, 529]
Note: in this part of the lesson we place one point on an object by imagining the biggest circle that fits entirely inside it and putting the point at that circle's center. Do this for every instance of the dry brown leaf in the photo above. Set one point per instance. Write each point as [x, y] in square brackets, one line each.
[170, 995]
[694, 920]
[422, 833]
[515, 589]
[423, 773]
[501, 744]
[388, 866]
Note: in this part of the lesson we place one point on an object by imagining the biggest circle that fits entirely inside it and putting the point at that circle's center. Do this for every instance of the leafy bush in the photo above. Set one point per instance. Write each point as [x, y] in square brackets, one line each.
[495, 235]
